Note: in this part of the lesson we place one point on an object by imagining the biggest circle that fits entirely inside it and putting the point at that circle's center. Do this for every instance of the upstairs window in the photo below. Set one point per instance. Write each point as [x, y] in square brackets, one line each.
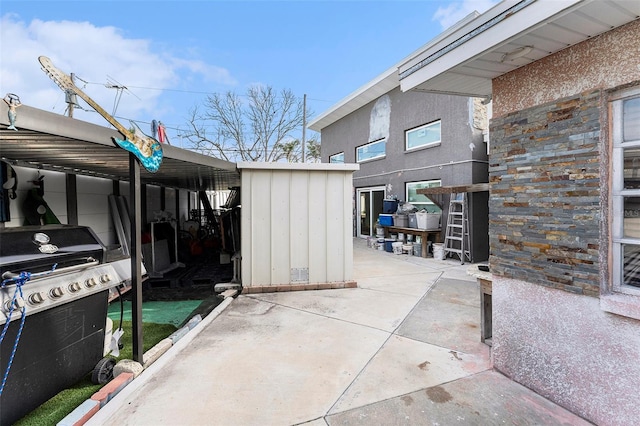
[423, 136]
[371, 151]
[337, 158]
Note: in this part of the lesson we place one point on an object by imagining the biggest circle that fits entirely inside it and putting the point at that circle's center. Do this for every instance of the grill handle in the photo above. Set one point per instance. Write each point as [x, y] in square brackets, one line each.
[90, 262]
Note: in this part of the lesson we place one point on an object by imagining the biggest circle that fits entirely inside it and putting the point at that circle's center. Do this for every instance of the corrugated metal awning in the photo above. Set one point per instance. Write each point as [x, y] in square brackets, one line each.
[54, 142]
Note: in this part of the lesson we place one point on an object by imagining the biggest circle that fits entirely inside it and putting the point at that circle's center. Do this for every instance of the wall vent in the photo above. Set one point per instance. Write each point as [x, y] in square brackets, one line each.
[299, 275]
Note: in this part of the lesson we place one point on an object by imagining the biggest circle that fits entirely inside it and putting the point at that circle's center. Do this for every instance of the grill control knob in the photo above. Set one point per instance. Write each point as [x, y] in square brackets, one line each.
[91, 282]
[36, 298]
[74, 287]
[105, 278]
[56, 292]
[18, 304]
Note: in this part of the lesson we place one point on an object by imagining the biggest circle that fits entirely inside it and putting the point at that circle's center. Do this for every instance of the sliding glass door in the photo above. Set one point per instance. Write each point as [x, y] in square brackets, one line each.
[369, 207]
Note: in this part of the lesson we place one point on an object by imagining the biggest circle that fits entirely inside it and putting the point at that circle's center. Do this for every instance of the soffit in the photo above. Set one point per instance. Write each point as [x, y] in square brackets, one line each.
[466, 65]
[365, 94]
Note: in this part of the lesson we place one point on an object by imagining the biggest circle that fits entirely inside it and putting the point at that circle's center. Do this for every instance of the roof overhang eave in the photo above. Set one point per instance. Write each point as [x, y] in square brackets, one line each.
[382, 84]
[488, 32]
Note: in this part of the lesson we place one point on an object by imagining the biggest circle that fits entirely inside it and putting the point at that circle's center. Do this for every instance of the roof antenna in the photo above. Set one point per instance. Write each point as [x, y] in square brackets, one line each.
[112, 83]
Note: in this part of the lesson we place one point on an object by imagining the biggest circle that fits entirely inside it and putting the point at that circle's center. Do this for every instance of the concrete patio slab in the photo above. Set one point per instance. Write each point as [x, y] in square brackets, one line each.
[402, 366]
[381, 310]
[449, 316]
[403, 348]
[486, 398]
[409, 284]
[261, 361]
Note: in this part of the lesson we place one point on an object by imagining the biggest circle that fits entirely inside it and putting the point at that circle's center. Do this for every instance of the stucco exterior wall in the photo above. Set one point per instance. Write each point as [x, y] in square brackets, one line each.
[453, 160]
[608, 60]
[567, 349]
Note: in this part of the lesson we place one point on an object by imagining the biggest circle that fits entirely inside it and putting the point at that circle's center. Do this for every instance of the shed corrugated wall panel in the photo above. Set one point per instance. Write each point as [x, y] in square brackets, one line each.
[335, 222]
[299, 221]
[347, 226]
[280, 226]
[318, 205]
[246, 226]
[260, 211]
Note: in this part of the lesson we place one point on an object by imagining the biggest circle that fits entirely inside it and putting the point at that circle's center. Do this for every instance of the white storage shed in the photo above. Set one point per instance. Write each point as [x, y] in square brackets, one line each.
[296, 226]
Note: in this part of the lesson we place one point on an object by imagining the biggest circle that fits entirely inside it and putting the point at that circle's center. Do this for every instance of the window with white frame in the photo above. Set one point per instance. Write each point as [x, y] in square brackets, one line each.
[625, 232]
[419, 200]
[337, 158]
[423, 136]
[371, 150]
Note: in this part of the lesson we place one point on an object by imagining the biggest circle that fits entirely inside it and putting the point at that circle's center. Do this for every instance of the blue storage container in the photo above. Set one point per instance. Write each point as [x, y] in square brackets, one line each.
[388, 244]
[386, 219]
[389, 206]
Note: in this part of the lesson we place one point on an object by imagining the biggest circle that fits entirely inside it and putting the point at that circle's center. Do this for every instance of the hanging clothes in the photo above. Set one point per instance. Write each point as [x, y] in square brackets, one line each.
[154, 129]
[162, 134]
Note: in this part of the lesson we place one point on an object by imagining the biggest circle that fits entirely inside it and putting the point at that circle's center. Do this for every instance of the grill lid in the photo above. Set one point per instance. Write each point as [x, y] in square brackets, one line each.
[37, 248]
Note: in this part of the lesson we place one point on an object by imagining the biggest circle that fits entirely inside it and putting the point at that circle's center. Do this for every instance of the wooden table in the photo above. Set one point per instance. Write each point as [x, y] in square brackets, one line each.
[422, 233]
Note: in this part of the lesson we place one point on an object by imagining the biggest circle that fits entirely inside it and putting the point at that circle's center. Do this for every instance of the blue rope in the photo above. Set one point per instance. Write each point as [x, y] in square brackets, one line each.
[20, 280]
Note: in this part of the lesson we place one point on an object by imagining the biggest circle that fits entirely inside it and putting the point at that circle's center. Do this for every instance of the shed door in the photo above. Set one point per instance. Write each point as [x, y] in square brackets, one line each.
[369, 207]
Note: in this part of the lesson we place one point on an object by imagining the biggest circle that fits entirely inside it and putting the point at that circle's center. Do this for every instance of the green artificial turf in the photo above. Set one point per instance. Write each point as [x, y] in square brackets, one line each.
[160, 312]
[57, 408]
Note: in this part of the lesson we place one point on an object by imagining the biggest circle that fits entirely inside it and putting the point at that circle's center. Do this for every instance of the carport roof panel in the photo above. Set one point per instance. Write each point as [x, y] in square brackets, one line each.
[53, 142]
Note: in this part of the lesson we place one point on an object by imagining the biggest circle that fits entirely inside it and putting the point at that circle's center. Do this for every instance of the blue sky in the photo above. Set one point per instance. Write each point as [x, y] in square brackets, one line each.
[171, 54]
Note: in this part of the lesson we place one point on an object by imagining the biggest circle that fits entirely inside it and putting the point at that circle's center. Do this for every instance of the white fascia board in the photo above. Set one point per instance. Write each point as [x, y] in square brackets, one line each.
[386, 81]
[534, 15]
[346, 167]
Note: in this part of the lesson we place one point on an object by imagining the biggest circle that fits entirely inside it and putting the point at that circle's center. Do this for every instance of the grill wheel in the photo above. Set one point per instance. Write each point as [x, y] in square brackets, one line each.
[103, 372]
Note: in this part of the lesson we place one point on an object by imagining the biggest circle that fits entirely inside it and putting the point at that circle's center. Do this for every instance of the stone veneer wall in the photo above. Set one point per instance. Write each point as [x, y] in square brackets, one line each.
[545, 198]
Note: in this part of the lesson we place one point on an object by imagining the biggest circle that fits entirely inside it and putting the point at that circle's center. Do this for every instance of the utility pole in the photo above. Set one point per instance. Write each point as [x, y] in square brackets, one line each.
[71, 98]
[304, 125]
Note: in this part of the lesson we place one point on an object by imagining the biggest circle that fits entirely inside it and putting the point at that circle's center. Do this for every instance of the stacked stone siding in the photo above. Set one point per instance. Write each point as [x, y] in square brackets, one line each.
[545, 194]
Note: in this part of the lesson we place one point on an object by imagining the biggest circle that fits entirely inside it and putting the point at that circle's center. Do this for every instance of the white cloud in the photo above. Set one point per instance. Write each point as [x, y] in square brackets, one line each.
[455, 11]
[97, 55]
[208, 72]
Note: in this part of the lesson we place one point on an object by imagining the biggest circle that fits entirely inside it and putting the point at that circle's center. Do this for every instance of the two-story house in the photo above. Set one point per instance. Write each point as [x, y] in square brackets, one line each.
[406, 141]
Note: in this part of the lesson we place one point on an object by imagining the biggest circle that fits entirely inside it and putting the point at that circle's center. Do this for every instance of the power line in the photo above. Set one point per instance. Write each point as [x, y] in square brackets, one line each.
[158, 89]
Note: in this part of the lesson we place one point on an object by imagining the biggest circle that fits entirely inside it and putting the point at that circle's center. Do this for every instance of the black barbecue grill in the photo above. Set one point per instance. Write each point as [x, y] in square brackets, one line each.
[53, 303]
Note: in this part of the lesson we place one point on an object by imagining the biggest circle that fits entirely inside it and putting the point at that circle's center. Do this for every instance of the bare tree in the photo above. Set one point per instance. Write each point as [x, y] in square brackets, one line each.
[256, 127]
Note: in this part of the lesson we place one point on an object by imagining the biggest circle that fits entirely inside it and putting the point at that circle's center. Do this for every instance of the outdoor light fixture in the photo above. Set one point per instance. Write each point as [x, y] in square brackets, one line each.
[516, 53]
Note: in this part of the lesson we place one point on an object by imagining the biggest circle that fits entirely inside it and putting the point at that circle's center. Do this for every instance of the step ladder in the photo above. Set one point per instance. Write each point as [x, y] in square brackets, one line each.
[457, 233]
